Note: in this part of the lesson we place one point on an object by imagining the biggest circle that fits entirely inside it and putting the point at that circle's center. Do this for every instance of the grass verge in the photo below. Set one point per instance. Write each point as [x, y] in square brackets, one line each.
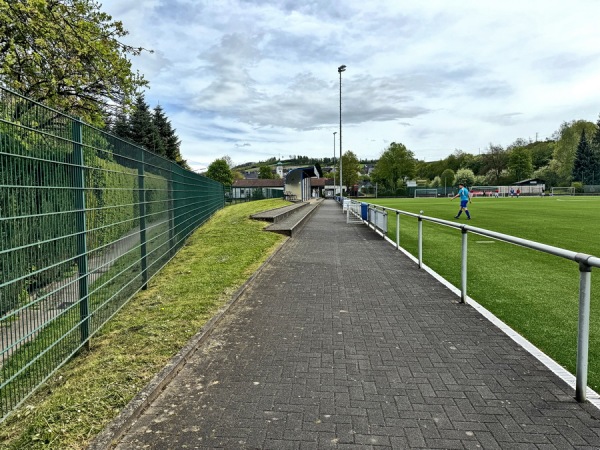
[91, 389]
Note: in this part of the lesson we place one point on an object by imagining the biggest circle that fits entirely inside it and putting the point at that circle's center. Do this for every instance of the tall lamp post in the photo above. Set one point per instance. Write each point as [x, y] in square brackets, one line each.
[333, 163]
[340, 70]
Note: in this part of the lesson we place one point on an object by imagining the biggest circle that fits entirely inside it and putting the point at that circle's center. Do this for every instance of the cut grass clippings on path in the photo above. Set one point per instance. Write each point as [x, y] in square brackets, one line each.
[90, 390]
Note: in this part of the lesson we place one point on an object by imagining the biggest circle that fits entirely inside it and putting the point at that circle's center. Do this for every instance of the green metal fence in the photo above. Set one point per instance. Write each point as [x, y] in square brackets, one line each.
[238, 195]
[86, 219]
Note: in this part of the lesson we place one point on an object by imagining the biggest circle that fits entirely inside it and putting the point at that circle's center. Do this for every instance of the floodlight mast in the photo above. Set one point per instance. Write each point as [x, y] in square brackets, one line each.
[341, 69]
[333, 163]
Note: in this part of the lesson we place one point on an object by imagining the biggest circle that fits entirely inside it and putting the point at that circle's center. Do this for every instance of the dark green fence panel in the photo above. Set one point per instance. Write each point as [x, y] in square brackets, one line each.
[86, 219]
[237, 195]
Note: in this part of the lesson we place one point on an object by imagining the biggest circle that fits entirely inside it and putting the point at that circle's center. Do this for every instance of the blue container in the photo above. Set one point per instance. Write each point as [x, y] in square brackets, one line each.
[364, 211]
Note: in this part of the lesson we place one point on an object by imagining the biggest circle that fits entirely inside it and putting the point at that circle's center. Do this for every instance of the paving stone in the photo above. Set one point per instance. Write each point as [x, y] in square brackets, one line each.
[342, 342]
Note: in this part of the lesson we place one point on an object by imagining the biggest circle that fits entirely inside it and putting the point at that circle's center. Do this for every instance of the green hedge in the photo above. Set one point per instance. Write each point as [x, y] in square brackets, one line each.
[38, 207]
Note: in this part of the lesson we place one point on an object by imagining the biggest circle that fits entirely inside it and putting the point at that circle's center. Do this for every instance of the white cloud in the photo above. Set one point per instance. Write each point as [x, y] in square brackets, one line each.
[256, 79]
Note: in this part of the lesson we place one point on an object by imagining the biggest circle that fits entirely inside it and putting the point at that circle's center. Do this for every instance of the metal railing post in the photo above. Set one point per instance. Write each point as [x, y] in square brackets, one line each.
[82, 254]
[142, 203]
[397, 230]
[463, 267]
[583, 333]
[420, 239]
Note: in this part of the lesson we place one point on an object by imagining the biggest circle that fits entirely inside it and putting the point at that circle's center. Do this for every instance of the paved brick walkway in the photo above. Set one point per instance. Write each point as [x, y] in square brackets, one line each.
[342, 342]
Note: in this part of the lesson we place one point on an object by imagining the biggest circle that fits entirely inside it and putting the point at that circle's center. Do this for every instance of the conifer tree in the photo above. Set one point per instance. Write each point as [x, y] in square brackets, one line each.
[120, 126]
[169, 139]
[142, 129]
[149, 129]
[586, 163]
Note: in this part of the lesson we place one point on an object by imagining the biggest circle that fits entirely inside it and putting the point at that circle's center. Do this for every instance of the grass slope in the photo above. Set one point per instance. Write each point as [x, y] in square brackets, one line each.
[90, 390]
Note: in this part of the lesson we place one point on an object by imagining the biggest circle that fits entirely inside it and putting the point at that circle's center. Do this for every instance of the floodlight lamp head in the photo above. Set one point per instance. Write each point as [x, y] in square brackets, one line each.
[341, 68]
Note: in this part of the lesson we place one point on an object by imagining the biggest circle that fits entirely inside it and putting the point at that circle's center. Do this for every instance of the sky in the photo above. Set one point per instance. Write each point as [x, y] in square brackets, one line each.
[256, 79]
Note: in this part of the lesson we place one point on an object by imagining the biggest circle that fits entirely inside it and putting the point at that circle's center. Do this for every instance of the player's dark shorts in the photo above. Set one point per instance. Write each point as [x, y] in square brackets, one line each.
[463, 203]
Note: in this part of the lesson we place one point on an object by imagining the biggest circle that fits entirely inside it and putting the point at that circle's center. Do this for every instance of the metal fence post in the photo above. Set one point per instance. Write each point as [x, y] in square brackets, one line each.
[142, 202]
[82, 254]
[175, 184]
[463, 267]
[397, 230]
[583, 333]
[420, 239]
[171, 208]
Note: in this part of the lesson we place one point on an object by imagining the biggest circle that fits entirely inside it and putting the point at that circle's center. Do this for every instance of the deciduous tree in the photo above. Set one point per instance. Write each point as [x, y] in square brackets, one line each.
[395, 163]
[265, 173]
[519, 163]
[228, 160]
[464, 176]
[351, 169]
[495, 161]
[567, 138]
[219, 171]
[447, 178]
[541, 153]
[68, 54]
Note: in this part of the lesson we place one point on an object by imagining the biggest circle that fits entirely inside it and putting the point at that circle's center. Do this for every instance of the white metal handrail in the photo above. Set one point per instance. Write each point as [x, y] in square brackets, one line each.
[585, 262]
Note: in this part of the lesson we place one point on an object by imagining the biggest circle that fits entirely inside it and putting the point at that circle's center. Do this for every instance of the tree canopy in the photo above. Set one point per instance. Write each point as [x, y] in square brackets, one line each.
[395, 164]
[149, 129]
[350, 169]
[465, 177]
[495, 160]
[567, 140]
[67, 54]
[170, 141]
[586, 167]
[265, 173]
[219, 171]
[447, 177]
[519, 163]
[142, 129]
[553, 160]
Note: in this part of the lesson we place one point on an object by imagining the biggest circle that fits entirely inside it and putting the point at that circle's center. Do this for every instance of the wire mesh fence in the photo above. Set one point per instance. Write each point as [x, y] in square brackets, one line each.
[238, 195]
[86, 219]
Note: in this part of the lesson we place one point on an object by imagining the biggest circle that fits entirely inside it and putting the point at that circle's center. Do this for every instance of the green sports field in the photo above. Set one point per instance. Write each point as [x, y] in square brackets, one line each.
[535, 293]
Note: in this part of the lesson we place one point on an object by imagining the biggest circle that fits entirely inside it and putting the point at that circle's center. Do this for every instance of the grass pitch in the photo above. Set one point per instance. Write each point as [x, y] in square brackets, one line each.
[534, 293]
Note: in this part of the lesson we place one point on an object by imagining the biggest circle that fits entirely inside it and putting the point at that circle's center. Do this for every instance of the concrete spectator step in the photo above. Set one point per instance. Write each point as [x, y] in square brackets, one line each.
[279, 214]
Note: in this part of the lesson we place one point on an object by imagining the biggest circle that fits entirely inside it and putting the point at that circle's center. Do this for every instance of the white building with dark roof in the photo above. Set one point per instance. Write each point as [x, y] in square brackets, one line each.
[247, 189]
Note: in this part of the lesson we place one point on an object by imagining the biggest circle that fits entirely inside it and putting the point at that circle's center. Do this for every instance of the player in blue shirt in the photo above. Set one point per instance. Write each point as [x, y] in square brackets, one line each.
[465, 197]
